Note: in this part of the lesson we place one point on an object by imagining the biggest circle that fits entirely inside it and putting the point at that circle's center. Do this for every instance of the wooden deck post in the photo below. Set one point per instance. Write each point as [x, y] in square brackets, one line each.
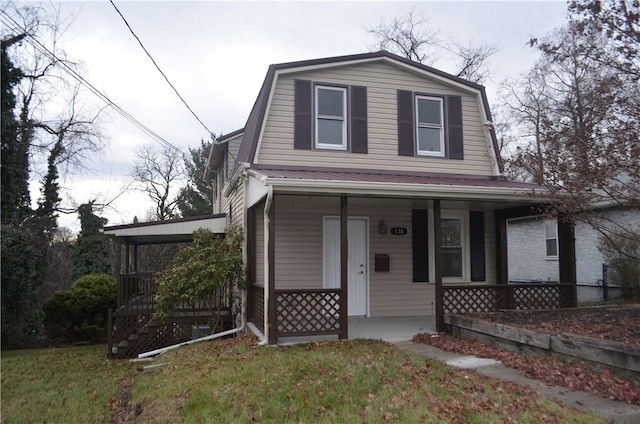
[437, 253]
[271, 279]
[344, 267]
[567, 260]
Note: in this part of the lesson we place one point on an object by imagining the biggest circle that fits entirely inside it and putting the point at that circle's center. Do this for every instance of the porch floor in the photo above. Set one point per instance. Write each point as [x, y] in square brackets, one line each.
[388, 329]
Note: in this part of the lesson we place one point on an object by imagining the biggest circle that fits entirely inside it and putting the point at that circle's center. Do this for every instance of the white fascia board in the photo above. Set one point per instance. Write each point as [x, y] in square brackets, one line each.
[216, 225]
[256, 190]
[404, 190]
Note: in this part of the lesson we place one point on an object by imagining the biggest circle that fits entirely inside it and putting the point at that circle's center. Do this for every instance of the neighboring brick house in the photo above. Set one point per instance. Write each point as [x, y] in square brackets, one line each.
[533, 252]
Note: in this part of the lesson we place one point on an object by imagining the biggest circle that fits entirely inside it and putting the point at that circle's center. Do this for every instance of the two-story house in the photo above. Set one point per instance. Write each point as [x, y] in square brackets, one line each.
[371, 185]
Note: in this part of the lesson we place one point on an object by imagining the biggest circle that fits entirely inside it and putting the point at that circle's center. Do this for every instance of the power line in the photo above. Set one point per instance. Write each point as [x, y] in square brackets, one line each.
[31, 39]
[160, 70]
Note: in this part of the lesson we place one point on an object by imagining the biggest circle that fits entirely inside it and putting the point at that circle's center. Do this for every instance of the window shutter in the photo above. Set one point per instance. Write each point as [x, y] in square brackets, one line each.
[420, 245]
[302, 126]
[405, 123]
[359, 136]
[454, 127]
[476, 226]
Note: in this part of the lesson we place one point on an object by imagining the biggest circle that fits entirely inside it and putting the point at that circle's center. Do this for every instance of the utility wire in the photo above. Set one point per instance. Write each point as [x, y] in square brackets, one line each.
[160, 70]
[31, 39]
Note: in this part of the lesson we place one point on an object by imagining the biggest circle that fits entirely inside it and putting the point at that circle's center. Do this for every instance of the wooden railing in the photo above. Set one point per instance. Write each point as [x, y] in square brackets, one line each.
[494, 297]
[308, 312]
[133, 285]
[133, 328]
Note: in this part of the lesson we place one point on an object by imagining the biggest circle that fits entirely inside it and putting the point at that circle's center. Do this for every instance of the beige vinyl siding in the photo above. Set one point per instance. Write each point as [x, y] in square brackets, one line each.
[236, 216]
[382, 81]
[299, 224]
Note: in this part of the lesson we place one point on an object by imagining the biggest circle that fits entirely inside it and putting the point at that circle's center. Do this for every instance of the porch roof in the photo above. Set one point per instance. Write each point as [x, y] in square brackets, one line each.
[171, 231]
[395, 183]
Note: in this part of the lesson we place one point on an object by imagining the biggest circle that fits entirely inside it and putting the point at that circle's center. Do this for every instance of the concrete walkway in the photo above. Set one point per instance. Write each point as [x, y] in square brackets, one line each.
[610, 410]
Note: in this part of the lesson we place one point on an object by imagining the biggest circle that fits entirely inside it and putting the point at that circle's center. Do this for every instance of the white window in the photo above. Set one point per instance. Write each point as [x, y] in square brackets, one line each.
[331, 114]
[452, 247]
[430, 127]
[551, 238]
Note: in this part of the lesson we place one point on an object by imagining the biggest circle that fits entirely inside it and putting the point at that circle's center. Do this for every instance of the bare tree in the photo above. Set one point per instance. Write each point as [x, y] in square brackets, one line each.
[412, 36]
[580, 126]
[160, 175]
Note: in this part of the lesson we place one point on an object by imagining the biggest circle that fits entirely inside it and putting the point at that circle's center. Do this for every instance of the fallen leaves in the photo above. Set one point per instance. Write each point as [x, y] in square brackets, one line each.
[575, 375]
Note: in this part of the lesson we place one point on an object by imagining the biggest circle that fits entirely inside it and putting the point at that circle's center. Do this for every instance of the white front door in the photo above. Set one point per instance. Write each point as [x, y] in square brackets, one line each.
[358, 265]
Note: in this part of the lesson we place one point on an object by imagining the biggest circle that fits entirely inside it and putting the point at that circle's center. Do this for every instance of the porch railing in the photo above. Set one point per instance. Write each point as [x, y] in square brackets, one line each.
[133, 285]
[494, 297]
[308, 312]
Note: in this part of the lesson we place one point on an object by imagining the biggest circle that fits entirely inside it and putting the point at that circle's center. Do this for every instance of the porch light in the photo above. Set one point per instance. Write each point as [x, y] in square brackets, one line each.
[382, 229]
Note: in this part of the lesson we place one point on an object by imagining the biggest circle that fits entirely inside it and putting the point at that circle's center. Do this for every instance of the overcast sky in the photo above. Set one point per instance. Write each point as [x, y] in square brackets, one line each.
[217, 53]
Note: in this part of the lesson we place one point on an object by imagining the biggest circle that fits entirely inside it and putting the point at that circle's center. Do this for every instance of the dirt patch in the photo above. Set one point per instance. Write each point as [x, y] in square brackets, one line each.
[620, 323]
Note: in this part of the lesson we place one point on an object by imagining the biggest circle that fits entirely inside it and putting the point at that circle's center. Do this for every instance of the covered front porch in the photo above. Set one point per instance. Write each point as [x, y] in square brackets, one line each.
[410, 263]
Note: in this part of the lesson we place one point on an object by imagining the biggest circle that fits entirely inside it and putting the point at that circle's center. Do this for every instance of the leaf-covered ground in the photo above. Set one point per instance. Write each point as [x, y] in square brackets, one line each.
[619, 323]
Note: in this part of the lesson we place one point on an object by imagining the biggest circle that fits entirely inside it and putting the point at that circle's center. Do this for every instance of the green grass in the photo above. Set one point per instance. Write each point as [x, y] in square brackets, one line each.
[235, 381]
[60, 385]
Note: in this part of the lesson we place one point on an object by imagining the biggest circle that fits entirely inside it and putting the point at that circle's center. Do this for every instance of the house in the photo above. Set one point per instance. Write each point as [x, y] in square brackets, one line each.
[533, 250]
[370, 185]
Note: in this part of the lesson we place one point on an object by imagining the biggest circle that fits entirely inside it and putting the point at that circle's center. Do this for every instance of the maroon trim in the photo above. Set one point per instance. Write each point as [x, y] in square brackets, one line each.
[168, 221]
[303, 115]
[358, 120]
[227, 136]
[272, 325]
[476, 236]
[567, 258]
[344, 269]
[437, 255]
[406, 144]
[455, 142]
[401, 177]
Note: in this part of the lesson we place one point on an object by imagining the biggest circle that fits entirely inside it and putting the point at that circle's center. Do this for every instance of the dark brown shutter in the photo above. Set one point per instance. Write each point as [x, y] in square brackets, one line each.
[476, 226]
[405, 123]
[359, 136]
[302, 126]
[454, 127]
[420, 245]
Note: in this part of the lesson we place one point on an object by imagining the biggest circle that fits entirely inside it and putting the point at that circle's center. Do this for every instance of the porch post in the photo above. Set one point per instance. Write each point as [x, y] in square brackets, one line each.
[119, 271]
[437, 254]
[344, 259]
[127, 259]
[271, 279]
[502, 263]
[135, 258]
[567, 260]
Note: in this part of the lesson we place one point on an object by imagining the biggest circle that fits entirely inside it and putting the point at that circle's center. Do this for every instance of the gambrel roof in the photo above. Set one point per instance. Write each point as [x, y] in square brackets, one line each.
[255, 122]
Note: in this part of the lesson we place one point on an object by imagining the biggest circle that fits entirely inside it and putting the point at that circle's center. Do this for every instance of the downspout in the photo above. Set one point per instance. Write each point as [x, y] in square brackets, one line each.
[267, 207]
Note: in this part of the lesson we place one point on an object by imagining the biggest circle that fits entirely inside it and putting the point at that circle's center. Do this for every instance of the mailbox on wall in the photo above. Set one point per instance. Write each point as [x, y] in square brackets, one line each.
[381, 262]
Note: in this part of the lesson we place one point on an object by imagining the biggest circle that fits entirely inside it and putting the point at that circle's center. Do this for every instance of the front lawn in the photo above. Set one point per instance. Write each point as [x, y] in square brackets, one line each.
[237, 381]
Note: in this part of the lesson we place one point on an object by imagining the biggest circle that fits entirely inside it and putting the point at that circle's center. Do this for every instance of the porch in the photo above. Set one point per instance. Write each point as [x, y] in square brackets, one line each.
[388, 329]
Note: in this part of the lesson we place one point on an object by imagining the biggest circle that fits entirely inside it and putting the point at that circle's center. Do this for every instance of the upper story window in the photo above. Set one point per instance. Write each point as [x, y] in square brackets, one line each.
[331, 118]
[551, 238]
[429, 126]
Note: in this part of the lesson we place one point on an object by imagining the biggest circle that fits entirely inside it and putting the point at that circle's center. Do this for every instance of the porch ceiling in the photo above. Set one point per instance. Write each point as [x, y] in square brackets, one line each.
[172, 231]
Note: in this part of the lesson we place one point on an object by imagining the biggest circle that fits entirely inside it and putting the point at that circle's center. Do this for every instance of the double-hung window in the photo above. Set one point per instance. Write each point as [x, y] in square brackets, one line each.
[430, 126]
[551, 238]
[331, 117]
[452, 247]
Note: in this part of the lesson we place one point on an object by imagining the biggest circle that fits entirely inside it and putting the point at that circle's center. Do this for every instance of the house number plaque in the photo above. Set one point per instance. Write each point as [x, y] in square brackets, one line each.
[399, 231]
